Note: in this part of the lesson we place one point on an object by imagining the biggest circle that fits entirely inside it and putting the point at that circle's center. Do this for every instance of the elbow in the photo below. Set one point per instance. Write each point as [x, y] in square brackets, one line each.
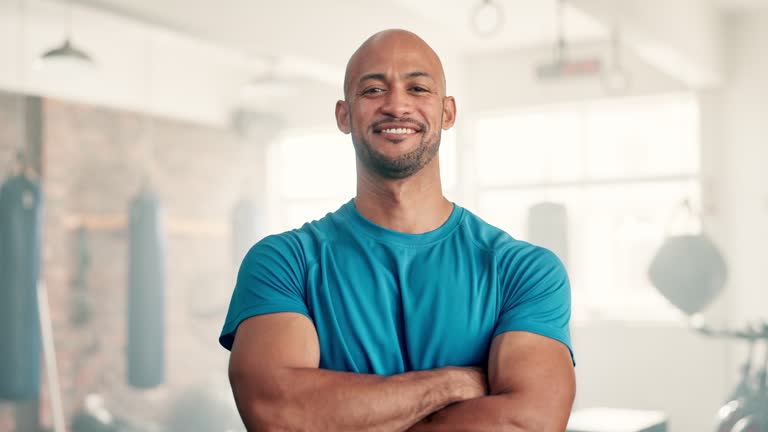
[532, 424]
[528, 414]
[262, 410]
[264, 416]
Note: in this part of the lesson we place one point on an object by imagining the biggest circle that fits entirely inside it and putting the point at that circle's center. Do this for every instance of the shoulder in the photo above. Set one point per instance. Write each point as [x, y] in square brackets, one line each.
[525, 259]
[487, 236]
[510, 253]
[299, 245]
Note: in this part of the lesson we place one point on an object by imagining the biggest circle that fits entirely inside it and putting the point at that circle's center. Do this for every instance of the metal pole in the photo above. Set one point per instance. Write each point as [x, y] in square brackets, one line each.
[49, 353]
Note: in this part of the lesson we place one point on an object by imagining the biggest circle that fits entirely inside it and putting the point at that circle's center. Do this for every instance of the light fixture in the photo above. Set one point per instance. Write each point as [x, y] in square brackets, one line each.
[66, 51]
[270, 84]
[487, 18]
[562, 65]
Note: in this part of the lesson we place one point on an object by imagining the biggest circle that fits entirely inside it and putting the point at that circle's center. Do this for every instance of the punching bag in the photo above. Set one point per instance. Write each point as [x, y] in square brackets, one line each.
[548, 227]
[689, 271]
[244, 229]
[146, 293]
[20, 339]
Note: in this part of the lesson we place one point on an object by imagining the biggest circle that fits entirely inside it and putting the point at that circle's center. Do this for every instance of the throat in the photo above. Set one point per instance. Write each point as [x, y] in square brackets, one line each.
[417, 217]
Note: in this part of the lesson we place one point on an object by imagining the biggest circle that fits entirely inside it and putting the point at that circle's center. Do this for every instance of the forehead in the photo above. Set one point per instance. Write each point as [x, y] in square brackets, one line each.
[392, 57]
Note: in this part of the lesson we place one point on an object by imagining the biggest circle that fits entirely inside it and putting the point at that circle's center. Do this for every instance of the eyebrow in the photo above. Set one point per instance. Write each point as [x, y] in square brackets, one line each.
[419, 74]
[382, 77]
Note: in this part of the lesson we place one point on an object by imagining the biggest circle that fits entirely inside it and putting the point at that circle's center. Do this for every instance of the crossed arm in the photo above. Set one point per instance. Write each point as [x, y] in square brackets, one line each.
[278, 386]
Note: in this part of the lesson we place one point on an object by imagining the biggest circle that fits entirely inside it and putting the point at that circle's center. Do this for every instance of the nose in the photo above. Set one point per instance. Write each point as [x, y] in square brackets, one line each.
[397, 103]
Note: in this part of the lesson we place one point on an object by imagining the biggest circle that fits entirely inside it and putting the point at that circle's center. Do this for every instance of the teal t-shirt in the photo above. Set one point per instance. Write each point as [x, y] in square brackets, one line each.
[387, 302]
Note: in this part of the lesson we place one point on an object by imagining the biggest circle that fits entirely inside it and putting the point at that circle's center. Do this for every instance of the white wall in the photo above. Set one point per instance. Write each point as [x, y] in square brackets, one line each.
[735, 152]
[735, 163]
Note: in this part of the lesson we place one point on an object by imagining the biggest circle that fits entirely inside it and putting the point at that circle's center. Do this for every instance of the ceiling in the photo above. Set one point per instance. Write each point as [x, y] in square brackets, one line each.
[250, 40]
[740, 5]
[317, 36]
[326, 32]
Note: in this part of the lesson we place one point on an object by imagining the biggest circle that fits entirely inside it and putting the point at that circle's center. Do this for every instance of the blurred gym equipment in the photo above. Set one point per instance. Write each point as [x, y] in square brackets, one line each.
[244, 229]
[616, 420]
[548, 227]
[146, 292]
[20, 239]
[746, 408]
[689, 271]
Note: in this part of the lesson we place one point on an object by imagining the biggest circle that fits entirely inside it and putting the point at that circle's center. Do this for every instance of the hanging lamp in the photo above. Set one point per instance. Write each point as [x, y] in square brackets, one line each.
[67, 50]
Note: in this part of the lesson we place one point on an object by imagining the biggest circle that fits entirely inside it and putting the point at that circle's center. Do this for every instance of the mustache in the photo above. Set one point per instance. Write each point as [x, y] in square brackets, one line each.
[421, 126]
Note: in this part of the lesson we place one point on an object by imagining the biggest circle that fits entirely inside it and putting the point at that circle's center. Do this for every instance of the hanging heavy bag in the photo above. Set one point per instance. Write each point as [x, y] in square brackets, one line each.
[20, 340]
[548, 227]
[244, 229]
[146, 293]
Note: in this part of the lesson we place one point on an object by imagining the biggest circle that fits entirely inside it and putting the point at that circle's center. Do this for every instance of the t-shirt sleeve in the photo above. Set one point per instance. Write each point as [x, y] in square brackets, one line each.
[536, 294]
[271, 279]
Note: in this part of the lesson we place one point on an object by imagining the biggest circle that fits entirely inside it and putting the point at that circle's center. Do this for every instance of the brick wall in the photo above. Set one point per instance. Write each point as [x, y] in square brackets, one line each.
[95, 160]
[10, 131]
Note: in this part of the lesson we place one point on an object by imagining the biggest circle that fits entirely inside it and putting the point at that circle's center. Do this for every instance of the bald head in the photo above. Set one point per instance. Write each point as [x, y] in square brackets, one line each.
[383, 48]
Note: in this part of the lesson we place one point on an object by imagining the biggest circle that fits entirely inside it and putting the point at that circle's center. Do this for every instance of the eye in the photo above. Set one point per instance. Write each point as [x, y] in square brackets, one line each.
[419, 89]
[372, 90]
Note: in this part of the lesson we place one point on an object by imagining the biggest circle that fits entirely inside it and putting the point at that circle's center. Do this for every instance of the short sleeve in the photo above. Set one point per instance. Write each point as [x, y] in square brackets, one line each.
[271, 279]
[535, 294]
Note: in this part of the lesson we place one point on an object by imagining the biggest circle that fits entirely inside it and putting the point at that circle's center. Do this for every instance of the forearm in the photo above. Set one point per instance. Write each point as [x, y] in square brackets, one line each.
[505, 412]
[321, 400]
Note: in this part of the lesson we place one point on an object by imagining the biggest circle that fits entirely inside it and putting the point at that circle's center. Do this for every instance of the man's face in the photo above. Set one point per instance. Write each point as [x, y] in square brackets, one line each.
[395, 106]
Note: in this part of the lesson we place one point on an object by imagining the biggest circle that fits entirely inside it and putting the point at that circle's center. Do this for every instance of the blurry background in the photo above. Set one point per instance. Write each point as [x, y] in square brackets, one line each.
[189, 130]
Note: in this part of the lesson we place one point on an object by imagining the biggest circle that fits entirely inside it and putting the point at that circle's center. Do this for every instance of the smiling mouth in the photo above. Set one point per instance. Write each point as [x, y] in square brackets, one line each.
[397, 131]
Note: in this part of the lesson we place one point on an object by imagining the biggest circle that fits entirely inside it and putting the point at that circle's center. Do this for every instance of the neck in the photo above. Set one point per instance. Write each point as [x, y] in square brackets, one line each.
[413, 205]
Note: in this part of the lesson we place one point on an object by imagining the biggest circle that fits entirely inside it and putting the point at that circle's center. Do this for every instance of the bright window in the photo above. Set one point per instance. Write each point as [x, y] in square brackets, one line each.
[622, 169]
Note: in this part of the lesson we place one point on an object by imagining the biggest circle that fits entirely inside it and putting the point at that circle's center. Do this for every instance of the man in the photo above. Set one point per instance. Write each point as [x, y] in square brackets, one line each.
[384, 315]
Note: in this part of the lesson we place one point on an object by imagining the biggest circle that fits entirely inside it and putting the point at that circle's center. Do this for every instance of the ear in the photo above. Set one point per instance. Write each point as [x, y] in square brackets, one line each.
[449, 112]
[342, 116]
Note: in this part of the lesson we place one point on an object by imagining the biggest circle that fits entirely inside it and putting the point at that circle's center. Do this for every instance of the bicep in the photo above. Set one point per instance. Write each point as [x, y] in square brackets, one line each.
[266, 344]
[535, 370]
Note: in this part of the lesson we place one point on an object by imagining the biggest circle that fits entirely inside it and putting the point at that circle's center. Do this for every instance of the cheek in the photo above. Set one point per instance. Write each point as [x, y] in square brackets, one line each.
[362, 116]
[435, 115]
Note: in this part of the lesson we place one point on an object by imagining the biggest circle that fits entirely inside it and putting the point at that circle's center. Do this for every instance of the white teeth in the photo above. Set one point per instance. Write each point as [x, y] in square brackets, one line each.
[398, 131]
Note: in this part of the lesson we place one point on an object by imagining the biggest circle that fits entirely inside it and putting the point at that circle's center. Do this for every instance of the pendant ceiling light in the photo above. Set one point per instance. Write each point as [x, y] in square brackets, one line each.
[67, 51]
[563, 65]
[487, 18]
[274, 81]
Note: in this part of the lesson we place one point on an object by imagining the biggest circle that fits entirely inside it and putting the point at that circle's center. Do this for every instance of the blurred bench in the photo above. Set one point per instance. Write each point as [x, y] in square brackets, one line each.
[616, 420]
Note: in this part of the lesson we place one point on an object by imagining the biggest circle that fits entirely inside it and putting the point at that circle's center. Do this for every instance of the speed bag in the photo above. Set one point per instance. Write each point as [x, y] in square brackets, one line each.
[689, 271]
[20, 340]
[146, 293]
[548, 227]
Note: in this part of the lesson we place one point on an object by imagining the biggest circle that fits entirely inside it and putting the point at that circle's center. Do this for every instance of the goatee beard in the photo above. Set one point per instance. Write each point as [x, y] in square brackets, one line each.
[402, 166]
